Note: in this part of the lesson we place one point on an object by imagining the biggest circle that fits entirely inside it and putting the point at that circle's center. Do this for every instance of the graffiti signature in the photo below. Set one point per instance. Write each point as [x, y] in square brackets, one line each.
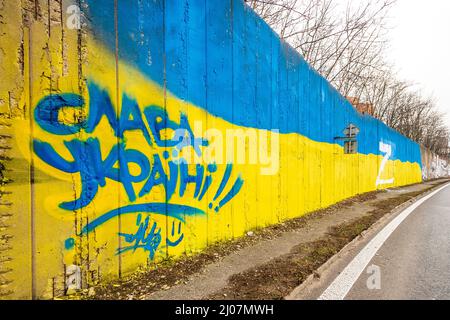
[148, 238]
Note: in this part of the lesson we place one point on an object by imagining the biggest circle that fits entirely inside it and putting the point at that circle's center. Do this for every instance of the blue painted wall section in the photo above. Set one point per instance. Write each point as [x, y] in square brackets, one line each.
[221, 46]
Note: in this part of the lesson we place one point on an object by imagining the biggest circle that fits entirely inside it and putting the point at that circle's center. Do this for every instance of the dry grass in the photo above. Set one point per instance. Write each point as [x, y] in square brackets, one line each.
[276, 279]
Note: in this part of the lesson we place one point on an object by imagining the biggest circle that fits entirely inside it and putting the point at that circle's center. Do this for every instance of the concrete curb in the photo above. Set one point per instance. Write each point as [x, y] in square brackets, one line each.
[315, 276]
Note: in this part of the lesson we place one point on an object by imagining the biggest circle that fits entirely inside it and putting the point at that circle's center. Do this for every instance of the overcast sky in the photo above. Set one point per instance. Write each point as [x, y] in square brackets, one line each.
[420, 46]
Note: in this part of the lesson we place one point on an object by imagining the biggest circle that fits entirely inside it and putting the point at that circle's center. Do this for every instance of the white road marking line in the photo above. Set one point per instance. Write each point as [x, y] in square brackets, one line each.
[343, 283]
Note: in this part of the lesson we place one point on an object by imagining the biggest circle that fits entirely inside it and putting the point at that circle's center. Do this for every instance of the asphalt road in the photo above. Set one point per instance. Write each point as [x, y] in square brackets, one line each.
[412, 262]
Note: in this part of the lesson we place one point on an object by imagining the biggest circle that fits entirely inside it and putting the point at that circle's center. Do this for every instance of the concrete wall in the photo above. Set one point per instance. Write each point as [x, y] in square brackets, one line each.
[92, 187]
[434, 166]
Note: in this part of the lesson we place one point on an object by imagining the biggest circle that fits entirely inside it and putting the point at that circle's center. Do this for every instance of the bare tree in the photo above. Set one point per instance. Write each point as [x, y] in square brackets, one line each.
[343, 43]
[346, 44]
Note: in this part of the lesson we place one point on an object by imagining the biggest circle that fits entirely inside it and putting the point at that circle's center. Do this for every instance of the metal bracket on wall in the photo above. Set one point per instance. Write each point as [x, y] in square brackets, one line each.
[350, 139]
